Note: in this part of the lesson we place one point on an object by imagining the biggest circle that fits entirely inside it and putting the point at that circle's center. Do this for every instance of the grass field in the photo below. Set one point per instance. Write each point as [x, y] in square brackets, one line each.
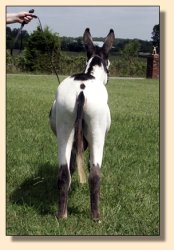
[130, 170]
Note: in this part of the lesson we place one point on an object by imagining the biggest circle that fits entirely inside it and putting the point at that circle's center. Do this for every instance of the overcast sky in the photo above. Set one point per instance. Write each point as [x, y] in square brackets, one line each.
[127, 22]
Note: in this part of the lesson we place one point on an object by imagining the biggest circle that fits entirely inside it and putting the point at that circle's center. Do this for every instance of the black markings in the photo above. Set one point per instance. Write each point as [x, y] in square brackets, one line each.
[82, 77]
[82, 86]
[97, 60]
[94, 185]
[63, 187]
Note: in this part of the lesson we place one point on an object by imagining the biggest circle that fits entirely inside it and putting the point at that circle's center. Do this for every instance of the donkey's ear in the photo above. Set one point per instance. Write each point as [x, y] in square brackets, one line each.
[88, 43]
[108, 43]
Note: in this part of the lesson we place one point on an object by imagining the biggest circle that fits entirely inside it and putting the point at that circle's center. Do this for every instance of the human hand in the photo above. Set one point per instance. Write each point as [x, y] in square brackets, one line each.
[19, 17]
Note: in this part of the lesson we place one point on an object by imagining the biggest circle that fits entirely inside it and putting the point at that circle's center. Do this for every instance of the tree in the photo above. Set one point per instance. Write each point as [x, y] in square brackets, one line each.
[131, 49]
[130, 57]
[156, 36]
[72, 44]
[42, 50]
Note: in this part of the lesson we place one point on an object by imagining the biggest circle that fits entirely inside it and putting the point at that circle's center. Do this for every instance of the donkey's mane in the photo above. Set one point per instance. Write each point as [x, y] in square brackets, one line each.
[96, 60]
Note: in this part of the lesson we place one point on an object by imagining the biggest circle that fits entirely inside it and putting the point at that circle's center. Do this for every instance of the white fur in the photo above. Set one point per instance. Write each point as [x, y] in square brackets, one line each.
[96, 115]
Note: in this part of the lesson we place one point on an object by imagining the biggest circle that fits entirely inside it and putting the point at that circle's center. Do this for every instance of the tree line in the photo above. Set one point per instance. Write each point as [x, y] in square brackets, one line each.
[41, 49]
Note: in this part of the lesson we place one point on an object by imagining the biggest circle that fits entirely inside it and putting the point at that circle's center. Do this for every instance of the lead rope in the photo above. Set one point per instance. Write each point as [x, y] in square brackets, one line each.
[47, 47]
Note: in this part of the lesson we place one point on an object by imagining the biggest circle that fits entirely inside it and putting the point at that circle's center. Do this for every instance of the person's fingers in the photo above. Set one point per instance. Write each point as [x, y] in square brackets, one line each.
[25, 14]
[27, 18]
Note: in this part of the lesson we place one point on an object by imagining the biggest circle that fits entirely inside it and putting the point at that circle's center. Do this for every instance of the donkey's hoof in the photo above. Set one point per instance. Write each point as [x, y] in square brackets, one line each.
[96, 217]
[97, 220]
[61, 215]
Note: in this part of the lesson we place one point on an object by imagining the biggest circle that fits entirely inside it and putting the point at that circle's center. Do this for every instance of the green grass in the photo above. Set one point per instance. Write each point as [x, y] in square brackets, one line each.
[130, 170]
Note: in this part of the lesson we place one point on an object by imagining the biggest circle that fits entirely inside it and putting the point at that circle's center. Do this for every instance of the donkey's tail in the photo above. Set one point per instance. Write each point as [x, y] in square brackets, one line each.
[78, 137]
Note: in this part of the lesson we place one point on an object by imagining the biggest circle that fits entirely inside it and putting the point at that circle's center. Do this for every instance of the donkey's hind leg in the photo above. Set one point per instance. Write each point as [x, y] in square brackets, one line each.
[96, 155]
[94, 186]
[65, 141]
[63, 187]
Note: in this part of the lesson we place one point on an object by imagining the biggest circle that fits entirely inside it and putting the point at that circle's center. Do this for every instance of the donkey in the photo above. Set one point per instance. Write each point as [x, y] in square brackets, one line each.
[80, 118]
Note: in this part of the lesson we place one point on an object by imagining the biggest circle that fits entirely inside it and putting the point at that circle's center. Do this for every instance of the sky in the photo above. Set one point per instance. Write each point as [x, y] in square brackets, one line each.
[127, 22]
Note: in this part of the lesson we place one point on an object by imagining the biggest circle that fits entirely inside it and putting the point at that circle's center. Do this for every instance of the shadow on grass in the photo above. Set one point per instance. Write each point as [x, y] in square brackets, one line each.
[40, 192]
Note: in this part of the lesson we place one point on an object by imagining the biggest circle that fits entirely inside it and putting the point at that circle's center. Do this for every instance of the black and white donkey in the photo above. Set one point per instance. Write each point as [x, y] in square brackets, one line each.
[80, 118]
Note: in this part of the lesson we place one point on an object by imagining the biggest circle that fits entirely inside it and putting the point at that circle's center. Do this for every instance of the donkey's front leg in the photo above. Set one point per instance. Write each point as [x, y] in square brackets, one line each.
[94, 186]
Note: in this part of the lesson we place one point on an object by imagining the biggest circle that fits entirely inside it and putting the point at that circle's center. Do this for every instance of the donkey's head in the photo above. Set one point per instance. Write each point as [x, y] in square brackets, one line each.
[93, 50]
[98, 63]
